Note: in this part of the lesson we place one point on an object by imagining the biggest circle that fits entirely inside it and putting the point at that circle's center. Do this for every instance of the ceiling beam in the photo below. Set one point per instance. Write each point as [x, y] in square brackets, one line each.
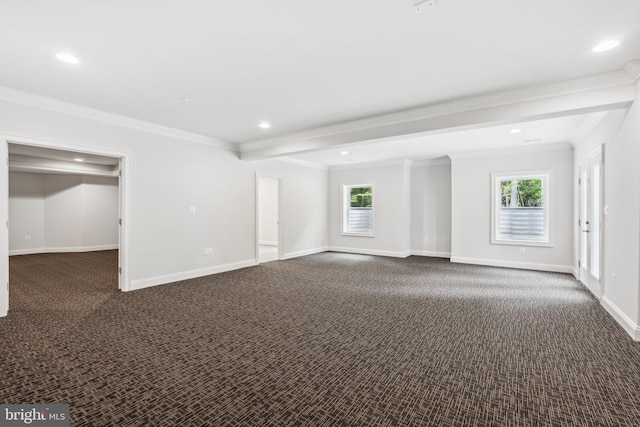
[586, 95]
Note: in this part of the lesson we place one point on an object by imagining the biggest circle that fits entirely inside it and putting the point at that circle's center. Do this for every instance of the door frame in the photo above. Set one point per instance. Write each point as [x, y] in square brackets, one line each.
[125, 185]
[594, 284]
[280, 215]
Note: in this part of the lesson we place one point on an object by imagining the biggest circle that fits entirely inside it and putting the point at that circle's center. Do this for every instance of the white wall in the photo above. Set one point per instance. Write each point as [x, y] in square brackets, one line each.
[268, 210]
[26, 212]
[304, 201]
[621, 294]
[62, 213]
[171, 177]
[431, 209]
[392, 212]
[167, 175]
[471, 211]
[606, 130]
[101, 211]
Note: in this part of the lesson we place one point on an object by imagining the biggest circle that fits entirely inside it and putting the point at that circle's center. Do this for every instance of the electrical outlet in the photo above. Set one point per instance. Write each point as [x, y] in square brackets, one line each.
[208, 251]
[192, 209]
[27, 237]
[523, 250]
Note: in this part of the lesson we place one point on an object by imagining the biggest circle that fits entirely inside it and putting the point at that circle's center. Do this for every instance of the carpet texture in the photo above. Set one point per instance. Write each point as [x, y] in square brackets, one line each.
[324, 340]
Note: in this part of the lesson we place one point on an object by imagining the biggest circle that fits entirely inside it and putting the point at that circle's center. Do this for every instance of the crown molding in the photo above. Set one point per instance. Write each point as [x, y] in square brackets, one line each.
[542, 148]
[381, 163]
[303, 163]
[396, 162]
[432, 162]
[621, 77]
[25, 98]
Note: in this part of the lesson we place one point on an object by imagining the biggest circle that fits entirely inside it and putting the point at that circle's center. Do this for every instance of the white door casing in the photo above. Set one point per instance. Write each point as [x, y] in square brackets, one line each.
[125, 208]
[280, 215]
[590, 222]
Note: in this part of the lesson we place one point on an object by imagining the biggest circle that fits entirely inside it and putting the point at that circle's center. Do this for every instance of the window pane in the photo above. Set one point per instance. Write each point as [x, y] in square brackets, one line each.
[521, 212]
[360, 197]
[521, 193]
[358, 214]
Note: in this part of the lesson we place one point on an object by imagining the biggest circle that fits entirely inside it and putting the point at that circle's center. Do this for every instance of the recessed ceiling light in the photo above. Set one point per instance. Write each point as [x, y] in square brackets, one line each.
[79, 159]
[515, 130]
[264, 125]
[607, 45]
[344, 153]
[68, 58]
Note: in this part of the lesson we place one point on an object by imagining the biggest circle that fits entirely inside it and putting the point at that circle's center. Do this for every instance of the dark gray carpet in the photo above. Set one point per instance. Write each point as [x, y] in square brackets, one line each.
[325, 340]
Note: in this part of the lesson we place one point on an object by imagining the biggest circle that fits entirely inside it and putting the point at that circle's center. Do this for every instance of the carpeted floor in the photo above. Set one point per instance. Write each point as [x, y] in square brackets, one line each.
[325, 340]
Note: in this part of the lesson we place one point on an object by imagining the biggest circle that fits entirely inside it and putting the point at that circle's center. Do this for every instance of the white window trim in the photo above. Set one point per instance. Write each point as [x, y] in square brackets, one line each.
[547, 202]
[345, 189]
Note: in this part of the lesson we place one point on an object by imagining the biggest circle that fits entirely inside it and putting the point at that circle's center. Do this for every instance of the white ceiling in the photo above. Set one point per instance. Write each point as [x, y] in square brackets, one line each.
[301, 65]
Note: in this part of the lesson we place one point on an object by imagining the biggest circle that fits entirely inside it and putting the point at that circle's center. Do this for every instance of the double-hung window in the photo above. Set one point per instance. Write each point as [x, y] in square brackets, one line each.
[357, 210]
[520, 208]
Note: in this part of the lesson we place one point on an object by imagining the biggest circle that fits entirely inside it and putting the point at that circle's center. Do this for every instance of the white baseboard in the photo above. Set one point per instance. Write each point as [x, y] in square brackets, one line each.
[627, 324]
[268, 242]
[370, 252]
[435, 254]
[596, 292]
[590, 289]
[297, 254]
[514, 264]
[60, 250]
[575, 273]
[191, 274]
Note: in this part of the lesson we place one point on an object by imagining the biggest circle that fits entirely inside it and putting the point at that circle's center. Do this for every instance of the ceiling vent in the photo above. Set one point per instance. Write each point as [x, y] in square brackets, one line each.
[421, 7]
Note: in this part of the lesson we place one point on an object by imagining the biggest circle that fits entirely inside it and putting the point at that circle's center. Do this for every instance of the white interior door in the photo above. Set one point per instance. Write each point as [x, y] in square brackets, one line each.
[120, 230]
[590, 224]
[269, 231]
[4, 228]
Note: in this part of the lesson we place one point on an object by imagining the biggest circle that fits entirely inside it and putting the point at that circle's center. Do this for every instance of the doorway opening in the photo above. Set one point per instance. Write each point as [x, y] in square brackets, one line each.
[269, 219]
[63, 199]
[590, 222]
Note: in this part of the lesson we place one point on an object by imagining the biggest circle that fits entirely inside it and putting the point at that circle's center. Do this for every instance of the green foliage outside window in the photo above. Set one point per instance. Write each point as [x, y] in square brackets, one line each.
[360, 197]
[521, 193]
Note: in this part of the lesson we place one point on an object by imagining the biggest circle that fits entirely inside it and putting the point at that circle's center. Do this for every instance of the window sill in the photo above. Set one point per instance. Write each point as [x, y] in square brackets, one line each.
[522, 243]
[357, 234]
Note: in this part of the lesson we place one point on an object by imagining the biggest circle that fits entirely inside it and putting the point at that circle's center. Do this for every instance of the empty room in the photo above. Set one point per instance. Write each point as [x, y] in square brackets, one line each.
[284, 213]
